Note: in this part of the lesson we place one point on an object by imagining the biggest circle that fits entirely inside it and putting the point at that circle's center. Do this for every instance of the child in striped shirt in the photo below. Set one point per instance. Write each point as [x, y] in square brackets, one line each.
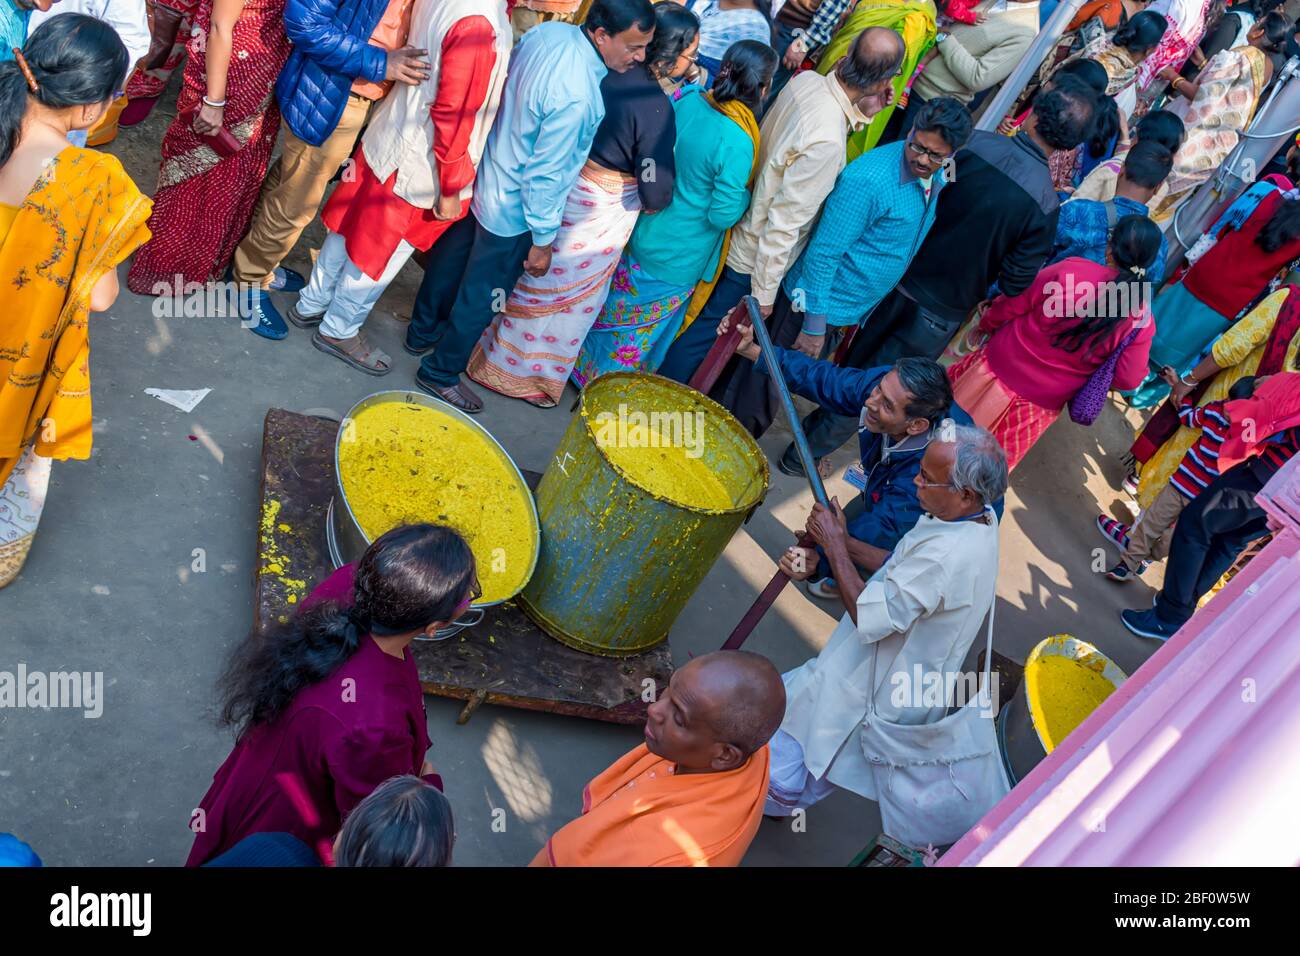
[1149, 538]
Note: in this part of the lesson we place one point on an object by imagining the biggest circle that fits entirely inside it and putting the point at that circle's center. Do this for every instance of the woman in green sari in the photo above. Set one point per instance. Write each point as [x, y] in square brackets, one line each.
[913, 20]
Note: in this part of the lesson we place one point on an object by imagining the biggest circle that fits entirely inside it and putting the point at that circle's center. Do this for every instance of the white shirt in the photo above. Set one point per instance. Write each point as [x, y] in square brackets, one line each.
[127, 17]
[920, 612]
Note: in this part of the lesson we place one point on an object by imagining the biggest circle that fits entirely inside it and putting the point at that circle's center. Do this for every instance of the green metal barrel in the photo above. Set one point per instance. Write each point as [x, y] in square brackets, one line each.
[618, 560]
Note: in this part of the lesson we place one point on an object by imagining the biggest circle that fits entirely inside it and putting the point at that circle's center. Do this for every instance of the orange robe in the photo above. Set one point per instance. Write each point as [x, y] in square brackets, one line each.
[639, 813]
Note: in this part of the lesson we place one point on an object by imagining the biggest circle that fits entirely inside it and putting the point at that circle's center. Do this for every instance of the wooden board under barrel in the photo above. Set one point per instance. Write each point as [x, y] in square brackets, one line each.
[505, 659]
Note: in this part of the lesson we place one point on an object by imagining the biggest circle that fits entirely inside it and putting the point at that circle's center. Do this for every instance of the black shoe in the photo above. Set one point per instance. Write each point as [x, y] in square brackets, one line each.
[1148, 624]
[790, 464]
[458, 396]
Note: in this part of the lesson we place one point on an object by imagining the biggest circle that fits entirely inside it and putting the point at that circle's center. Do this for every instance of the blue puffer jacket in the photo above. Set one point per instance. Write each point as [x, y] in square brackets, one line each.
[331, 49]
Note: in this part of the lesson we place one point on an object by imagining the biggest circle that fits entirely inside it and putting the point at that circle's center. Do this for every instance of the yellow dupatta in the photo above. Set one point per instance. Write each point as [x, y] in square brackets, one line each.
[743, 117]
[83, 217]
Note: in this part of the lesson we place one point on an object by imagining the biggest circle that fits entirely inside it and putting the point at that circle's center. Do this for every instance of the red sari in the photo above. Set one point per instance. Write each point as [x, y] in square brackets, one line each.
[204, 202]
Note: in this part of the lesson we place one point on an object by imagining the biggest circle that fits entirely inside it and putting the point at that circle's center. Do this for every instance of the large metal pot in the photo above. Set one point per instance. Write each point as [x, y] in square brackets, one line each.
[1021, 740]
[347, 541]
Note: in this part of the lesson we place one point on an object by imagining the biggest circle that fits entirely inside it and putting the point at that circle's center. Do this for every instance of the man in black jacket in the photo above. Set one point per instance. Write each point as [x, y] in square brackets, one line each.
[993, 231]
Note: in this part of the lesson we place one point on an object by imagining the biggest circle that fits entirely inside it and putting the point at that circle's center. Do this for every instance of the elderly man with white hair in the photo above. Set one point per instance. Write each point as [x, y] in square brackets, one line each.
[919, 613]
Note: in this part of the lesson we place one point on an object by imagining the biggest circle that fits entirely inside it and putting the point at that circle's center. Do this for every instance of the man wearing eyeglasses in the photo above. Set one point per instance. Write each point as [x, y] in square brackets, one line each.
[897, 409]
[877, 216]
[916, 618]
[993, 230]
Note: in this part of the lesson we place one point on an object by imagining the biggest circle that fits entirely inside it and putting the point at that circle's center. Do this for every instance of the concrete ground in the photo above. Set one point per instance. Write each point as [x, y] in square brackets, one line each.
[109, 587]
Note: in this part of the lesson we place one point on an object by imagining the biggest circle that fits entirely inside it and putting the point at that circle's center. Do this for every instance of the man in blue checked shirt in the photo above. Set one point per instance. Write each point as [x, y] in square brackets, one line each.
[875, 219]
[549, 113]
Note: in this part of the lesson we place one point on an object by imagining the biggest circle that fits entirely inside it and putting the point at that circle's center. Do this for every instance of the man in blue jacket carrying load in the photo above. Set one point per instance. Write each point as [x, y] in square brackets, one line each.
[898, 408]
[346, 55]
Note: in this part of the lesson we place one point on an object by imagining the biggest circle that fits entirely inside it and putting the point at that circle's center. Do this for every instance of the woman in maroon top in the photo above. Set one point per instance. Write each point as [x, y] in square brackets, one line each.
[329, 707]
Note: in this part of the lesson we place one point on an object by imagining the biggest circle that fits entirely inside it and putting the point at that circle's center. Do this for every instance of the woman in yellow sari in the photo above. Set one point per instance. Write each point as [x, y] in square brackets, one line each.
[913, 20]
[68, 217]
[1217, 108]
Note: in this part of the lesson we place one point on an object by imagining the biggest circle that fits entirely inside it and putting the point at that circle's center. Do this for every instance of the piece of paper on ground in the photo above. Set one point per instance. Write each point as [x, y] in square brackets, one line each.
[186, 399]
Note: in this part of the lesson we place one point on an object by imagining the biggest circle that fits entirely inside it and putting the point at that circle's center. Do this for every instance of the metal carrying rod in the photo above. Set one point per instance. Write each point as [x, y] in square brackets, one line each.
[787, 401]
[769, 594]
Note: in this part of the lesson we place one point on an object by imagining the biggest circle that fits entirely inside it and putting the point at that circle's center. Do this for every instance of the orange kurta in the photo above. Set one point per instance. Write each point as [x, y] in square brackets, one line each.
[640, 813]
[82, 218]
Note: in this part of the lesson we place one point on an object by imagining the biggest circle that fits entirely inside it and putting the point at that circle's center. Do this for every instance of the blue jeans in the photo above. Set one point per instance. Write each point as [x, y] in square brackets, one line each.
[688, 350]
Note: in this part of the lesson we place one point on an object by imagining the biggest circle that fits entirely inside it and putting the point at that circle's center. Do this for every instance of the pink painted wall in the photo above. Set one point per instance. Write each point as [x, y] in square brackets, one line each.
[1195, 761]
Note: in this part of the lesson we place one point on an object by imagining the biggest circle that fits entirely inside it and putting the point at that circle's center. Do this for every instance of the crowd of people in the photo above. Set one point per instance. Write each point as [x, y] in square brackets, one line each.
[597, 186]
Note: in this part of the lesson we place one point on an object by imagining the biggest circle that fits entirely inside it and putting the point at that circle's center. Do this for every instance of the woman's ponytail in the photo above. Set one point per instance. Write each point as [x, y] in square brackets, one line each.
[409, 578]
[1134, 245]
[745, 72]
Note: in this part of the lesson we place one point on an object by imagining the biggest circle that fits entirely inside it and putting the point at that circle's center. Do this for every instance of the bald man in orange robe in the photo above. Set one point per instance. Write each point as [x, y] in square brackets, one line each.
[692, 794]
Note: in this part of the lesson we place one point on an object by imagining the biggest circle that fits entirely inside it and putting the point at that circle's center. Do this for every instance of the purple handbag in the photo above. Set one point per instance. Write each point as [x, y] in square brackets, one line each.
[1088, 401]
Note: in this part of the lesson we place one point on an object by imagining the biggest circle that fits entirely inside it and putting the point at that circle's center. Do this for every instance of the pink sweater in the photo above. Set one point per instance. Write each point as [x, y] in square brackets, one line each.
[1021, 354]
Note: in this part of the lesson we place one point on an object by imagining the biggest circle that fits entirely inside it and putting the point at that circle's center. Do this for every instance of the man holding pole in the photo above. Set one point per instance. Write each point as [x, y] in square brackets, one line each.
[917, 616]
[898, 408]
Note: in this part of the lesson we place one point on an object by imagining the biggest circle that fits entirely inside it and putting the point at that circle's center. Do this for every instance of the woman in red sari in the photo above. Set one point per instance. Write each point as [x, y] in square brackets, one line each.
[205, 199]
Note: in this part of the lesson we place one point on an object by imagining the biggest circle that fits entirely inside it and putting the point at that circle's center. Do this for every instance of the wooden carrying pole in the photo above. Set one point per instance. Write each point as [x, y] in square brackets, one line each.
[724, 347]
[774, 587]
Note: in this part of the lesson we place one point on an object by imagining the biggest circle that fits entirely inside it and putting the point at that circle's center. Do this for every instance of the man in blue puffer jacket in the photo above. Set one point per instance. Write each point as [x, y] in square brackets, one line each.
[346, 55]
[899, 408]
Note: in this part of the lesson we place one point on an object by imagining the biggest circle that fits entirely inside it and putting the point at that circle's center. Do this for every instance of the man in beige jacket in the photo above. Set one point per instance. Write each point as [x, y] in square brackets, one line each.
[968, 59]
[801, 153]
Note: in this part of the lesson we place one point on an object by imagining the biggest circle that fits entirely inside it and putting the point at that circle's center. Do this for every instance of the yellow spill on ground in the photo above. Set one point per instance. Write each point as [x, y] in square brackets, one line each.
[407, 464]
[666, 470]
[1063, 692]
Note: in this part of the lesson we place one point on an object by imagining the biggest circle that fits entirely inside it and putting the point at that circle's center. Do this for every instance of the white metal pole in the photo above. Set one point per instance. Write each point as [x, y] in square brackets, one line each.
[1043, 44]
[1276, 121]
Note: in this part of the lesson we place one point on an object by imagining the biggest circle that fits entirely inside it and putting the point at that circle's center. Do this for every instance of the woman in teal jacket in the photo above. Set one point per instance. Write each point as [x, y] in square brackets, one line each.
[674, 249]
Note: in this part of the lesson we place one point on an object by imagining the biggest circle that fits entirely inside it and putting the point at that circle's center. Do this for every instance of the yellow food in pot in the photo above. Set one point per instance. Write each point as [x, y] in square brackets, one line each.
[402, 463]
[1063, 692]
[665, 469]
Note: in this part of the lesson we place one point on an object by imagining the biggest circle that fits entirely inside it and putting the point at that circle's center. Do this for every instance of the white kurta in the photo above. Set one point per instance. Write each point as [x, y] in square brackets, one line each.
[921, 611]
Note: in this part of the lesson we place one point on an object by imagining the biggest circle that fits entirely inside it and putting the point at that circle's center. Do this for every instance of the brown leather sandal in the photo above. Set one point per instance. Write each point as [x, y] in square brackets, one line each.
[459, 395]
[357, 352]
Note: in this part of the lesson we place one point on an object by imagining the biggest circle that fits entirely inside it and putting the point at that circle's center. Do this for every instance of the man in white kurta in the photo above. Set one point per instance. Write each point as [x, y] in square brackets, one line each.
[919, 613]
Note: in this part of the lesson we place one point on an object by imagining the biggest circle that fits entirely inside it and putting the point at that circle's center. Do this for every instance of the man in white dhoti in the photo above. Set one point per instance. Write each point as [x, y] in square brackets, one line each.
[919, 612]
